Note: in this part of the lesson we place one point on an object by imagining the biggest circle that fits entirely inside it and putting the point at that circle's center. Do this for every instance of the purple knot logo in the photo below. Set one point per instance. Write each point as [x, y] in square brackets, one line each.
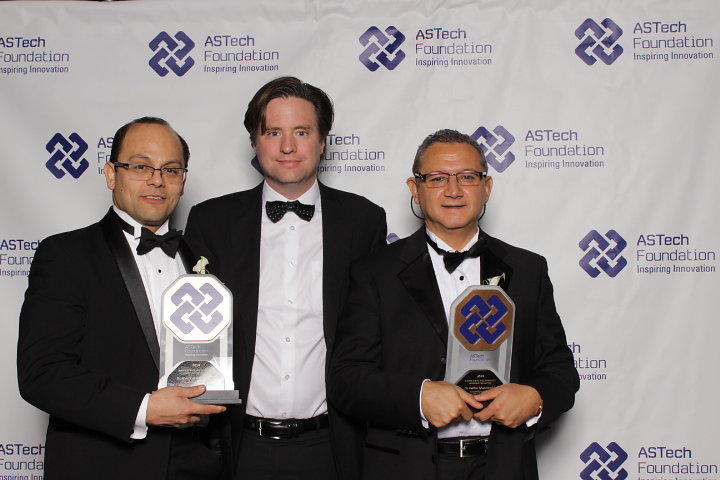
[484, 319]
[603, 463]
[496, 146]
[598, 41]
[381, 48]
[602, 253]
[197, 308]
[171, 53]
[68, 154]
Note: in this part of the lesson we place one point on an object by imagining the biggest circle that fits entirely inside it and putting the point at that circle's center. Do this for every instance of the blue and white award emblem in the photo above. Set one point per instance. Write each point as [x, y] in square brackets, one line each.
[480, 341]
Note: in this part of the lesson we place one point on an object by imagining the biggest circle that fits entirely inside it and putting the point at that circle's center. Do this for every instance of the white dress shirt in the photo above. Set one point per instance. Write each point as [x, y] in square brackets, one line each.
[157, 271]
[451, 285]
[288, 374]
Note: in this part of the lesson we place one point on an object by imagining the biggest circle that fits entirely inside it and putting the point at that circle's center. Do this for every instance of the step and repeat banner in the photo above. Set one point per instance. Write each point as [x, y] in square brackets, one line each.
[599, 121]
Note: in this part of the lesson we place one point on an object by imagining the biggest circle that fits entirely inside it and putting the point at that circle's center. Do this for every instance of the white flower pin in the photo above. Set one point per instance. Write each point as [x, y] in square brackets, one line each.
[495, 281]
[199, 267]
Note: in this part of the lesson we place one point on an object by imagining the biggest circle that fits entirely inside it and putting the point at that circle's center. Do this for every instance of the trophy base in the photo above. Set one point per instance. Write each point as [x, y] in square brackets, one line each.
[219, 397]
[477, 381]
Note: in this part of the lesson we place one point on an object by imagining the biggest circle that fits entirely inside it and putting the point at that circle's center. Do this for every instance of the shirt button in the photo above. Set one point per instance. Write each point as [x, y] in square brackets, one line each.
[292, 227]
[287, 339]
[291, 263]
[283, 414]
[290, 301]
[287, 377]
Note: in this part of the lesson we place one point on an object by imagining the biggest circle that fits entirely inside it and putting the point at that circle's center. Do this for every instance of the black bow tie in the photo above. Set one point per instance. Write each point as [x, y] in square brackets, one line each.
[169, 242]
[277, 210]
[452, 260]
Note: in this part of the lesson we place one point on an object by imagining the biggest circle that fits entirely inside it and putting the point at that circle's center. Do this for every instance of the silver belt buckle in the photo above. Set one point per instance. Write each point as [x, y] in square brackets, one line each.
[462, 447]
[271, 437]
[260, 431]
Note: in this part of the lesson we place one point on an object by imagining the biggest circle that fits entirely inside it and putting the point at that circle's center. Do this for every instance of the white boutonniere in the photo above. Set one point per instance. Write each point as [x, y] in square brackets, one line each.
[199, 267]
[495, 281]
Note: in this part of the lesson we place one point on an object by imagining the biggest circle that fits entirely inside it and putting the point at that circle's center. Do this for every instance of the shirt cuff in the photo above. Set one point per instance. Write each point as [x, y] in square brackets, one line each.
[533, 420]
[140, 428]
[424, 420]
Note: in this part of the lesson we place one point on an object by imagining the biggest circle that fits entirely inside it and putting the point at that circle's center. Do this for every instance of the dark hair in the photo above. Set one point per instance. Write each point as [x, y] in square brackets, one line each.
[446, 136]
[285, 87]
[122, 131]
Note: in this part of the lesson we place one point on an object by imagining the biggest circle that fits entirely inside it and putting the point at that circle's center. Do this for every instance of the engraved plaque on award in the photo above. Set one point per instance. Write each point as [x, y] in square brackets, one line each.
[480, 341]
[196, 338]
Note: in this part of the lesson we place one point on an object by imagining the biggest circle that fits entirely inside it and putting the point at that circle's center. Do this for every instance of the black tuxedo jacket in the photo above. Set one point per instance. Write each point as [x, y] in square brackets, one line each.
[228, 228]
[393, 335]
[88, 353]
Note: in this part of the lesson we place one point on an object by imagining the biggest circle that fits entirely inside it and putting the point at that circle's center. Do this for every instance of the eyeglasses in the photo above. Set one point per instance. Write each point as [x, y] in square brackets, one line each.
[138, 171]
[466, 178]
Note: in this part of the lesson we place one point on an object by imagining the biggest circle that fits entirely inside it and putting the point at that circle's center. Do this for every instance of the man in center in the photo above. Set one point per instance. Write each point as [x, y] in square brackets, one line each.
[284, 250]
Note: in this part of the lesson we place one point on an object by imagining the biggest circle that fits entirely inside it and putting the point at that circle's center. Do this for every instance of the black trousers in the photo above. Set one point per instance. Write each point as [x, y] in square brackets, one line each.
[450, 467]
[306, 457]
[190, 458]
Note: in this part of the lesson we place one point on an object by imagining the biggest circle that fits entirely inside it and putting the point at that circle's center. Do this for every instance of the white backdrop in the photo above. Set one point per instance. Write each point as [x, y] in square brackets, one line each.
[600, 120]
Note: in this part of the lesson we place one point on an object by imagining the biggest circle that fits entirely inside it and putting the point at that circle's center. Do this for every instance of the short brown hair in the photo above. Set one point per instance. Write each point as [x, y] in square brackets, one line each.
[446, 136]
[285, 87]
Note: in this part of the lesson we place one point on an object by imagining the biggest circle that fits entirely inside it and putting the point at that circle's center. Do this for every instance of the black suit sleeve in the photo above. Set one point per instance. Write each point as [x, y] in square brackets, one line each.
[379, 228]
[358, 385]
[51, 372]
[554, 375]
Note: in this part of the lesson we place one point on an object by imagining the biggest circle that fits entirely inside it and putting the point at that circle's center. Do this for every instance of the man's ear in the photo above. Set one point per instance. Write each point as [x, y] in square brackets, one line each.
[488, 187]
[109, 171]
[412, 186]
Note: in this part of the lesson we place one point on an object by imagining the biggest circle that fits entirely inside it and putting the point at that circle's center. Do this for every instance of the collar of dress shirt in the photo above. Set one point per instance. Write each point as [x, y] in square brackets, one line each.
[444, 246]
[137, 226]
[311, 197]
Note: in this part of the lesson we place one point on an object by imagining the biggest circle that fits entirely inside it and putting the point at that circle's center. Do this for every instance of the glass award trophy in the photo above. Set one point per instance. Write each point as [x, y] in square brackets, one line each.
[480, 341]
[196, 338]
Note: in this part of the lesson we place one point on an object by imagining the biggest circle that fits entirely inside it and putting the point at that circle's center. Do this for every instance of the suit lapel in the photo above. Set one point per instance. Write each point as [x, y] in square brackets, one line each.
[133, 282]
[336, 244]
[245, 269]
[186, 255]
[492, 264]
[419, 279]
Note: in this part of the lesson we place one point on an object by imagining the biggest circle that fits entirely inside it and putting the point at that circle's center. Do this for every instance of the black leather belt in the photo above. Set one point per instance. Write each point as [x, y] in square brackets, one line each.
[284, 429]
[463, 447]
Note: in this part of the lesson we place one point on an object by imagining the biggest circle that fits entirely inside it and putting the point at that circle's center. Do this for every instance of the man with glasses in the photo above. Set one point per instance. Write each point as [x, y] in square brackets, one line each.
[88, 347]
[390, 356]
